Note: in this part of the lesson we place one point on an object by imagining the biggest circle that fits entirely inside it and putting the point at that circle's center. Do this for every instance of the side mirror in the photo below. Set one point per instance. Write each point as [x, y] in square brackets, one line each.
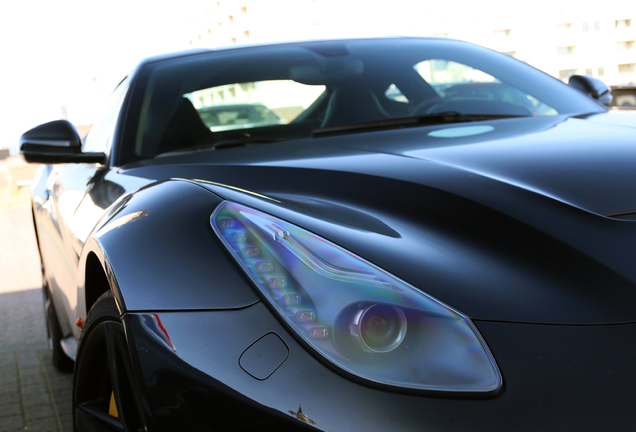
[592, 87]
[56, 142]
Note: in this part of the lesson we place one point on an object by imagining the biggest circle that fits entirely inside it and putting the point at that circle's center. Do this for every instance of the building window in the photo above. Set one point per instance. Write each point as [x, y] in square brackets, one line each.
[220, 25]
[626, 45]
[587, 26]
[623, 24]
[563, 27]
[209, 31]
[244, 10]
[627, 68]
[230, 18]
[246, 33]
[502, 33]
[565, 74]
[589, 71]
[233, 40]
[565, 51]
[601, 72]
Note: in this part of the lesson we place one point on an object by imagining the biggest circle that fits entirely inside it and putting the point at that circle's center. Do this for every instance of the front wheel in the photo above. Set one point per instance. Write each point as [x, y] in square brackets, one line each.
[105, 396]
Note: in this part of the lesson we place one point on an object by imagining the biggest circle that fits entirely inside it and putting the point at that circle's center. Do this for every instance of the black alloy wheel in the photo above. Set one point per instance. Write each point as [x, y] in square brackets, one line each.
[54, 334]
[105, 396]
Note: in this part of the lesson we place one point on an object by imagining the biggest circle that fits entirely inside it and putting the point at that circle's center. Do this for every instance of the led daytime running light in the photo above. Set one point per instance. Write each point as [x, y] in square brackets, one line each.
[309, 258]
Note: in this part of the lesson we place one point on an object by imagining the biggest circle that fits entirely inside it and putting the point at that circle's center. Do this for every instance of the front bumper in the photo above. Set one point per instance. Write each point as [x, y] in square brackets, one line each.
[555, 378]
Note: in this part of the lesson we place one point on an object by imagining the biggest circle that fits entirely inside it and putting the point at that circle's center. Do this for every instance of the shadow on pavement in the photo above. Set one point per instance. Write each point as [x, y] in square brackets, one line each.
[34, 396]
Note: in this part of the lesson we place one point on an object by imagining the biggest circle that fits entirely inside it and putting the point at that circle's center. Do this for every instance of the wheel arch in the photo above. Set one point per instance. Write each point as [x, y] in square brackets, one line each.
[96, 281]
[95, 278]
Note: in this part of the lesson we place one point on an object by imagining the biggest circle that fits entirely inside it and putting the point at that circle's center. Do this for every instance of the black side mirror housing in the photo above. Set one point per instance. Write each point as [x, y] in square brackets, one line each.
[592, 87]
[56, 142]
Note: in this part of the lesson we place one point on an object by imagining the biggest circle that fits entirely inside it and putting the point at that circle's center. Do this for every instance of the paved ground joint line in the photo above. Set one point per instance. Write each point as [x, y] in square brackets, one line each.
[50, 392]
[22, 401]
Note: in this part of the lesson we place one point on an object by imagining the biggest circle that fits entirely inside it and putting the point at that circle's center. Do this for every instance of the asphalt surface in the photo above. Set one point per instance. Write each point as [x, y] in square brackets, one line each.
[34, 396]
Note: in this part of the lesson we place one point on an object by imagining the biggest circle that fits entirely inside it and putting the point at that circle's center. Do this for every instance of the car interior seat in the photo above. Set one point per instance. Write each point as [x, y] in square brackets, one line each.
[352, 105]
[185, 129]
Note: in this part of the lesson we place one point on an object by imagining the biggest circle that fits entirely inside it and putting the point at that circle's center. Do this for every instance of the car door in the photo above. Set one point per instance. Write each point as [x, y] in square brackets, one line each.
[70, 200]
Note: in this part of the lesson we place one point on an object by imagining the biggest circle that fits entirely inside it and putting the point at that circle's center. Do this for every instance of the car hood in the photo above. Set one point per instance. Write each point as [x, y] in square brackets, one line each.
[587, 163]
[508, 220]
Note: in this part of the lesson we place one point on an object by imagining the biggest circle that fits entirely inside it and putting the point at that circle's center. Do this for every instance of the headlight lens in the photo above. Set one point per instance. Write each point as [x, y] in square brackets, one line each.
[361, 318]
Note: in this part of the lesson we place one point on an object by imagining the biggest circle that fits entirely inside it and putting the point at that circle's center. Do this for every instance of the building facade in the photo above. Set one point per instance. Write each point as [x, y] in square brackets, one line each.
[562, 38]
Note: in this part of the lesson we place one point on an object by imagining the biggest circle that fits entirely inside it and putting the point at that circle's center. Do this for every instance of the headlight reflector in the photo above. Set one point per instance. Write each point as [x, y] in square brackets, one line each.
[361, 318]
[379, 328]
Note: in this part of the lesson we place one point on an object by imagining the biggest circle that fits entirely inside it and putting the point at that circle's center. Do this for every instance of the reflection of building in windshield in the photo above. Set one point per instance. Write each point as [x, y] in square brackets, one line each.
[560, 38]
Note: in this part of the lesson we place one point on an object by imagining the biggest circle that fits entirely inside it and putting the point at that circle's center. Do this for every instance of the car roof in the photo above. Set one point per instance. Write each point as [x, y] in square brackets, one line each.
[309, 42]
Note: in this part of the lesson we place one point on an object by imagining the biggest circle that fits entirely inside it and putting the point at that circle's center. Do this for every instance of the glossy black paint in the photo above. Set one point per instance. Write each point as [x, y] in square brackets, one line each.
[434, 224]
[184, 256]
[587, 369]
[517, 225]
[56, 142]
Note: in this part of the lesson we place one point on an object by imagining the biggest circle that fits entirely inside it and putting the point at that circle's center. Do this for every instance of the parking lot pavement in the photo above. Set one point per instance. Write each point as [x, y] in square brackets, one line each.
[34, 396]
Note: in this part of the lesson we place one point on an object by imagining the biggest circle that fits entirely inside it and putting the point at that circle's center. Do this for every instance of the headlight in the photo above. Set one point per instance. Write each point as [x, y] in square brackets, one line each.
[361, 318]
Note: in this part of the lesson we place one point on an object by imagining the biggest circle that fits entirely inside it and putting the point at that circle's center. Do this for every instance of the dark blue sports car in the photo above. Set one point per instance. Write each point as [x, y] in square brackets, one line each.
[428, 236]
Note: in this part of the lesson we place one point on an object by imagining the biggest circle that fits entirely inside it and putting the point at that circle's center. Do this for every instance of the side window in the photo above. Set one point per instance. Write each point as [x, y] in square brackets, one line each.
[395, 94]
[457, 82]
[173, 121]
[445, 74]
[101, 133]
[253, 104]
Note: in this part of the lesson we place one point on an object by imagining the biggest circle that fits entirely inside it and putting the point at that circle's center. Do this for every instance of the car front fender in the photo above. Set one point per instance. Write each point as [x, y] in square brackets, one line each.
[159, 253]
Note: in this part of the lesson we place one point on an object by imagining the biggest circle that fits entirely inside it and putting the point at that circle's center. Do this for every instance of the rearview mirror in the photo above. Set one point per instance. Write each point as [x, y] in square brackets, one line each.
[56, 142]
[332, 69]
[592, 87]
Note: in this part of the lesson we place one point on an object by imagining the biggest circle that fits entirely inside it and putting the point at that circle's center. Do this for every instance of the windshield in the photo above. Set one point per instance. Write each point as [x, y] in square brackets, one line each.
[292, 91]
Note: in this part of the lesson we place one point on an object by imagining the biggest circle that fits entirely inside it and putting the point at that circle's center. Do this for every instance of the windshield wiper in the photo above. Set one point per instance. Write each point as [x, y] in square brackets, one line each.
[446, 117]
[227, 143]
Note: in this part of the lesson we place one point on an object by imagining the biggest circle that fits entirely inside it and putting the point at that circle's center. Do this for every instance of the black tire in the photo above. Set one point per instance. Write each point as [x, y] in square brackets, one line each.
[54, 334]
[103, 370]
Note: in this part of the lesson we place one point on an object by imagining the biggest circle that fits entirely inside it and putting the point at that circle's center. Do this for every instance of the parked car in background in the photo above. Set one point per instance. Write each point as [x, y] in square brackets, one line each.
[239, 116]
[441, 237]
[624, 96]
